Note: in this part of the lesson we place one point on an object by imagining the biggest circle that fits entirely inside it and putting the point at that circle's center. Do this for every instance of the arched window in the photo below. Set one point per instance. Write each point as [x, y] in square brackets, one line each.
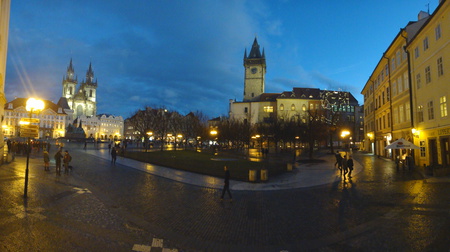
[90, 93]
[70, 90]
[292, 107]
[281, 107]
[303, 107]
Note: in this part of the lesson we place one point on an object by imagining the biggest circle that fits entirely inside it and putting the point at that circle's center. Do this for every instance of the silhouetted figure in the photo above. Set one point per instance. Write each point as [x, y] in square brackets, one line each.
[226, 187]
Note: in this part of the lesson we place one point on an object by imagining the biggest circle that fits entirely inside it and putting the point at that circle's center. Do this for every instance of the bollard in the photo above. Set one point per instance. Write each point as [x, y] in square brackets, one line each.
[264, 174]
[252, 175]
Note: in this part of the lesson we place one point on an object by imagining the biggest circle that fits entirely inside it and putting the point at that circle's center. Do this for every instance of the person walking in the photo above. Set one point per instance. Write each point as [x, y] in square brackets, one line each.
[67, 158]
[338, 161]
[58, 157]
[344, 165]
[350, 166]
[46, 161]
[113, 155]
[226, 187]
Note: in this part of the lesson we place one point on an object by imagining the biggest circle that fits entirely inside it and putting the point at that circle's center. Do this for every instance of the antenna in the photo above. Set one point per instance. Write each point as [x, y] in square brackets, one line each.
[428, 8]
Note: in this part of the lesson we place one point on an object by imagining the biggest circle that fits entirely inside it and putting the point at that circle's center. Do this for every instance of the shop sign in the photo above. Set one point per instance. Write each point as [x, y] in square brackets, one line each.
[445, 131]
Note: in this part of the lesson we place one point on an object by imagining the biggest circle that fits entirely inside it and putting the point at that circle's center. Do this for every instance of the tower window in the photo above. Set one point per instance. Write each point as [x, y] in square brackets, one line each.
[90, 93]
[70, 90]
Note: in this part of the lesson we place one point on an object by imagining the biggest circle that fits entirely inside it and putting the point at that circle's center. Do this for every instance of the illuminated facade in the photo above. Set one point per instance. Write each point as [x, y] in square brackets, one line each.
[430, 73]
[4, 28]
[81, 99]
[103, 127]
[52, 119]
[407, 94]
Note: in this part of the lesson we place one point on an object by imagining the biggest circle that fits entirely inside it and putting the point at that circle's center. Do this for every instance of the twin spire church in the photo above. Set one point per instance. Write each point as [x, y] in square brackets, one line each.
[80, 99]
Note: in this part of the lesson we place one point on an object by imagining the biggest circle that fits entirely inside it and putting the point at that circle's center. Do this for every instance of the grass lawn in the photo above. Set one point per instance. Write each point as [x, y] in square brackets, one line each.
[206, 163]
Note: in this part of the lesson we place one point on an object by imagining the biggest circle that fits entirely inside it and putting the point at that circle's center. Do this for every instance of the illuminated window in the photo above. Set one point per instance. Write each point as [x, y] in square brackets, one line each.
[303, 107]
[292, 107]
[281, 107]
[422, 149]
[443, 105]
[268, 109]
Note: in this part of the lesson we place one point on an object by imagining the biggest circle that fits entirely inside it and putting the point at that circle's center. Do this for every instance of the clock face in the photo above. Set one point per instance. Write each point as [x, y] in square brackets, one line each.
[254, 70]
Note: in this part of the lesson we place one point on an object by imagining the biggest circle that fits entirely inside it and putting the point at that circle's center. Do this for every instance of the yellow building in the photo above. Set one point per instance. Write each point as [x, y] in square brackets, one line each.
[4, 28]
[52, 119]
[430, 73]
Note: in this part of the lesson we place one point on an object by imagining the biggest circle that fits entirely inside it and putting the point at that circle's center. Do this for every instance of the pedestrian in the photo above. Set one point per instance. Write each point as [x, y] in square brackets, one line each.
[113, 155]
[67, 158]
[226, 187]
[46, 161]
[109, 147]
[350, 166]
[58, 157]
[338, 160]
[85, 145]
[344, 165]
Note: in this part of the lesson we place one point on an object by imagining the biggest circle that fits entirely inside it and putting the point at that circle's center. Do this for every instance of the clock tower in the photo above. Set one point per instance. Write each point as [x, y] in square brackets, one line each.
[255, 72]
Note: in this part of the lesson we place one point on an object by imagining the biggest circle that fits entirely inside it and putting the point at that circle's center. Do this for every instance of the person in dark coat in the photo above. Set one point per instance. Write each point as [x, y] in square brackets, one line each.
[350, 166]
[338, 161]
[226, 187]
[58, 157]
[113, 155]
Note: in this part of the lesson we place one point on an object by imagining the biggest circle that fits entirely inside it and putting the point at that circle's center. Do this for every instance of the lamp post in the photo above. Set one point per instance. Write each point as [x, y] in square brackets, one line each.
[33, 105]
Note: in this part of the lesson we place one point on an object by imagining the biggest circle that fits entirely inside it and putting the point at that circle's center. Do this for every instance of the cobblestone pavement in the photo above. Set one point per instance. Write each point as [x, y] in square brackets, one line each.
[102, 207]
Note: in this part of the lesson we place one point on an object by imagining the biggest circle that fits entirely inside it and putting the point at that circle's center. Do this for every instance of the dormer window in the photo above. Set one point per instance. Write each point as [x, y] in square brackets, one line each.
[10, 106]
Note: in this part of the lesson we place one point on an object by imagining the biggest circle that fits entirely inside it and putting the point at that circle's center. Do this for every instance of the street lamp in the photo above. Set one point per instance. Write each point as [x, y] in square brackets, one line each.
[33, 105]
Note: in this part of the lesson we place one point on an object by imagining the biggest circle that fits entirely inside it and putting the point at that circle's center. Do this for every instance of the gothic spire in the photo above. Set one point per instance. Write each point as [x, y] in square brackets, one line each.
[90, 74]
[255, 52]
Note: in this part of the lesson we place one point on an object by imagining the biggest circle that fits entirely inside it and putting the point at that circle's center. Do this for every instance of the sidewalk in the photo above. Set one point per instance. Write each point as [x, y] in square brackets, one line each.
[302, 175]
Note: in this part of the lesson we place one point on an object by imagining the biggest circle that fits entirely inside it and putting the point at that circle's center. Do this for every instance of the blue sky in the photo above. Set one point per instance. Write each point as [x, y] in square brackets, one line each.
[187, 55]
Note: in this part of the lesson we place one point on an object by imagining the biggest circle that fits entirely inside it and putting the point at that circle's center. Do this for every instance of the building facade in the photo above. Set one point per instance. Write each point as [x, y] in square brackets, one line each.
[52, 119]
[81, 99]
[4, 31]
[260, 107]
[406, 95]
[429, 51]
[104, 127]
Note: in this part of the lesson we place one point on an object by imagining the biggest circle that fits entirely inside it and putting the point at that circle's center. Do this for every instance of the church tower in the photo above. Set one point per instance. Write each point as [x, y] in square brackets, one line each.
[69, 83]
[255, 72]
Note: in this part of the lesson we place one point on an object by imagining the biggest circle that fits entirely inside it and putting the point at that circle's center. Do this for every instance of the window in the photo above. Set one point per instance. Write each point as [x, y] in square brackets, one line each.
[395, 114]
[400, 85]
[281, 107]
[245, 110]
[405, 81]
[440, 67]
[388, 94]
[383, 97]
[443, 105]
[430, 110]
[418, 81]
[303, 107]
[425, 44]
[398, 56]
[392, 64]
[90, 93]
[420, 113]
[386, 70]
[389, 120]
[427, 74]
[408, 112]
[394, 88]
[401, 117]
[422, 149]
[416, 52]
[437, 31]
[268, 109]
[293, 107]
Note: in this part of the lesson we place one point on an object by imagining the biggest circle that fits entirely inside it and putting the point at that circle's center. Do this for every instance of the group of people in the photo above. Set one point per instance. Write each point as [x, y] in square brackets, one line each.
[65, 158]
[344, 164]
